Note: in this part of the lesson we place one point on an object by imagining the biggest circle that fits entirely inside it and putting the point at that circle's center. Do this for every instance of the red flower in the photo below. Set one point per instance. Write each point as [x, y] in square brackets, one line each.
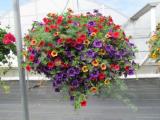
[59, 20]
[69, 21]
[28, 68]
[126, 39]
[8, 39]
[69, 40]
[101, 76]
[116, 67]
[117, 27]
[50, 45]
[57, 62]
[47, 29]
[50, 64]
[46, 20]
[59, 41]
[115, 35]
[110, 20]
[42, 43]
[79, 41]
[64, 65]
[53, 26]
[127, 68]
[27, 37]
[31, 58]
[84, 103]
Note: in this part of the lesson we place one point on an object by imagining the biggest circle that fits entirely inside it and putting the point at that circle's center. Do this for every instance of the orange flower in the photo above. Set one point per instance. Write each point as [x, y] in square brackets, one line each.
[103, 66]
[95, 63]
[33, 42]
[94, 89]
[87, 42]
[93, 34]
[56, 34]
[54, 53]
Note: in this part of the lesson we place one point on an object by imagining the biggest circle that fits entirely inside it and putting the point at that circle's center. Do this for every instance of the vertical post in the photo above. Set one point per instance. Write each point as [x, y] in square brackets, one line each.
[153, 20]
[21, 70]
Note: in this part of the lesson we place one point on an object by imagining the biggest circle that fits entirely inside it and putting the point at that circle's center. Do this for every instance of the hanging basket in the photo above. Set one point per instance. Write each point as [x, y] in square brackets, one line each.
[154, 43]
[82, 54]
[7, 45]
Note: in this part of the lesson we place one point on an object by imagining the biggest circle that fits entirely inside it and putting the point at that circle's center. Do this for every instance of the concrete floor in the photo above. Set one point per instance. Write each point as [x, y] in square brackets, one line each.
[44, 104]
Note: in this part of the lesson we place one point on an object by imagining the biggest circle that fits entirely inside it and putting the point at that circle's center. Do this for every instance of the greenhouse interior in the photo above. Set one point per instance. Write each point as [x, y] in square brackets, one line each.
[79, 60]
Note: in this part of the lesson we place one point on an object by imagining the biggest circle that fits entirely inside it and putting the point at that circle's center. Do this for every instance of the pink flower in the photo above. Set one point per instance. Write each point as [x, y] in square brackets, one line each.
[8, 39]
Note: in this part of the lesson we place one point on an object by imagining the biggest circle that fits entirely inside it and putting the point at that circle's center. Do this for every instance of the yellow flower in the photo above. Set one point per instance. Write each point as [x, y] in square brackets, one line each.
[154, 37]
[107, 82]
[93, 34]
[85, 69]
[33, 42]
[158, 49]
[87, 42]
[102, 52]
[154, 56]
[95, 63]
[103, 66]
[94, 89]
[54, 53]
[24, 53]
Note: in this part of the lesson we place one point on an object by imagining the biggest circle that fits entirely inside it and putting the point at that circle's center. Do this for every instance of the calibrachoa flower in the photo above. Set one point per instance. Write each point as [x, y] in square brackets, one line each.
[82, 53]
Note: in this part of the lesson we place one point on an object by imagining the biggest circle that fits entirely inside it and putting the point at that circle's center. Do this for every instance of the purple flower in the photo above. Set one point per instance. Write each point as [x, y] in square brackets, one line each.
[71, 72]
[59, 75]
[118, 55]
[76, 23]
[131, 71]
[94, 74]
[57, 90]
[69, 54]
[82, 57]
[72, 98]
[75, 83]
[77, 71]
[79, 47]
[58, 81]
[97, 43]
[90, 53]
[108, 48]
[91, 23]
[37, 61]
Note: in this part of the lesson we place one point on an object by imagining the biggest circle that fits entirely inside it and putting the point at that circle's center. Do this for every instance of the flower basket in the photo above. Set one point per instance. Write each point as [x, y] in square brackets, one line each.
[154, 43]
[82, 54]
[7, 46]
